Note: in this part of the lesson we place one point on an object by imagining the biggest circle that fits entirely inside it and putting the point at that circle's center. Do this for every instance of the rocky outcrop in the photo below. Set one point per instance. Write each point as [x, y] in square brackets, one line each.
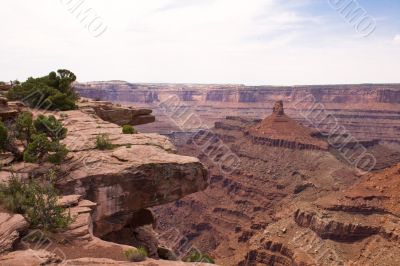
[363, 217]
[107, 190]
[118, 114]
[81, 229]
[11, 225]
[30, 257]
[281, 131]
[331, 229]
[39, 257]
[6, 110]
[140, 171]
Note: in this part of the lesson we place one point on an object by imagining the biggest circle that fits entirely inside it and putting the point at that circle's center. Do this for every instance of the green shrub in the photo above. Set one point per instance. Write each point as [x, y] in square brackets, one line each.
[197, 256]
[3, 136]
[36, 200]
[58, 152]
[137, 255]
[128, 129]
[42, 137]
[37, 149]
[53, 92]
[50, 126]
[103, 142]
[24, 126]
[42, 149]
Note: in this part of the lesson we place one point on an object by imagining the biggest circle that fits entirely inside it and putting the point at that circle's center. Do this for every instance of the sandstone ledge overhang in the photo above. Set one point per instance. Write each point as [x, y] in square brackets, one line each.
[118, 114]
[140, 172]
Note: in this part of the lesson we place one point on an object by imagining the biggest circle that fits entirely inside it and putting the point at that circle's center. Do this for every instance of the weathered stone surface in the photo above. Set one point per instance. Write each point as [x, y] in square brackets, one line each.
[369, 207]
[7, 112]
[10, 227]
[68, 201]
[141, 171]
[118, 114]
[148, 262]
[30, 257]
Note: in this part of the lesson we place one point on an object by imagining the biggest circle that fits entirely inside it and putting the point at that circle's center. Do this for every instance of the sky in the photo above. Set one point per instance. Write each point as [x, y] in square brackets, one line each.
[252, 42]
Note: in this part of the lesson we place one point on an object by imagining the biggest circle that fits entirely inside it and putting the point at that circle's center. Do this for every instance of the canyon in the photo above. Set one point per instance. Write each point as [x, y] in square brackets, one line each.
[367, 111]
[285, 203]
[294, 196]
[248, 175]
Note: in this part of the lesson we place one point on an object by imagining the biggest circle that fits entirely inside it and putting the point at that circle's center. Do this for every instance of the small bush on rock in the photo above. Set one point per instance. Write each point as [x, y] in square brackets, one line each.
[42, 149]
[50, 126]
[37, 149]
[41, 137]
[24, 126]
[3, 136]
[128, 129]
[36, 200]
[140, 254]
[197, 256]
[103, 142]
[57, 153]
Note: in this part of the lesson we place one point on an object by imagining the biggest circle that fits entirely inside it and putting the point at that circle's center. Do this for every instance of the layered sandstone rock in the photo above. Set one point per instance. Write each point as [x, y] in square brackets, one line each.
[6, 111]
[141, 171]
[359, 108]
[245, 217]
[30, 257]
[11, 225]
[280, 130]
[107, 190]
[118, 114]
[368, 208]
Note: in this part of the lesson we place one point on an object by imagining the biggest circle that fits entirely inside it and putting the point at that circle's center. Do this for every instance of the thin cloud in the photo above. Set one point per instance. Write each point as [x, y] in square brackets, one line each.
[210, 41]
[396, 39]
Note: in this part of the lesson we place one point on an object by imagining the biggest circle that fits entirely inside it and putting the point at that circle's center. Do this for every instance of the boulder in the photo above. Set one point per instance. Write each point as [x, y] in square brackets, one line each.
[10, 227]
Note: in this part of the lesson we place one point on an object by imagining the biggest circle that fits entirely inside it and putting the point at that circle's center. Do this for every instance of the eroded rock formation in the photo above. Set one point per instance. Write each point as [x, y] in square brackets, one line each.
[120, 115]
[280, 130]
[11, 225]
[285, 206]
[141, 171]
[359, 108]
[105, 191]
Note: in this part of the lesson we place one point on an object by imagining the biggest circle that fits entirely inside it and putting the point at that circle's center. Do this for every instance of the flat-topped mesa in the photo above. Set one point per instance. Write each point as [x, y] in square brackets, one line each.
[280, 130]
